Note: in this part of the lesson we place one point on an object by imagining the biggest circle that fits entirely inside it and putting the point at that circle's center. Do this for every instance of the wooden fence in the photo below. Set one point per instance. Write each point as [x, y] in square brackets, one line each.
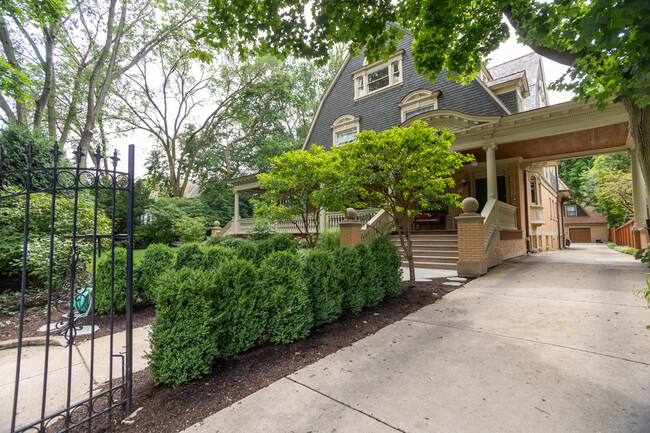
[623, 235]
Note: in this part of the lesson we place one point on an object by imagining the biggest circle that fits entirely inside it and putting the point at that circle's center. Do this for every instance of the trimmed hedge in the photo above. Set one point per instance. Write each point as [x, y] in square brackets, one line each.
[369, 282]
[156, 260]
[189, 330]
[103, 282]
[213, 257]
[288, 303]
[388, 262]
[220, 301]
[326, 296]
[244, 305]
[347, 275]
[189, 256]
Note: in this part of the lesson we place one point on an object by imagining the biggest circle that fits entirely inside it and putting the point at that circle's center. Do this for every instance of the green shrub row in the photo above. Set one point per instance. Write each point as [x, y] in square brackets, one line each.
[229, 308]
[159, 258]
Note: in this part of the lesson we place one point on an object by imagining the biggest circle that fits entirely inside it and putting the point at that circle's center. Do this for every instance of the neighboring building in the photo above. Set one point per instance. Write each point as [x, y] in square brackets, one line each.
[583, 225]
[502, 117]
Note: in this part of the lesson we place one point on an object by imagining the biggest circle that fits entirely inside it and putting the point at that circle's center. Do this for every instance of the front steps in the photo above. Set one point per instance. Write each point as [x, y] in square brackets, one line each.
[433, 251]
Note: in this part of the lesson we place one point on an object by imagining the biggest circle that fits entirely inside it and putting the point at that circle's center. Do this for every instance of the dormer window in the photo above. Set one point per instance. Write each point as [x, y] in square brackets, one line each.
[417, 102]
[344, 129]
[378, 77]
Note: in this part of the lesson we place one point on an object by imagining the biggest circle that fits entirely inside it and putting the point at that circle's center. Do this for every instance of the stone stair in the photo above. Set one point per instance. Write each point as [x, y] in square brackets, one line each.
[433, 251]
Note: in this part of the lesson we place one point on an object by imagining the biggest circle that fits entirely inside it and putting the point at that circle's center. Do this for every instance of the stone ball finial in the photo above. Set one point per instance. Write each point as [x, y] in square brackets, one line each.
[217, 224]
[470, 205]
[351, 213]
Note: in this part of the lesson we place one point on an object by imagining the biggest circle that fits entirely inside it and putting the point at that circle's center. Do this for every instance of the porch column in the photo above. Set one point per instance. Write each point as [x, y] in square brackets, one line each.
[235, 222]
[638, 192]
[639, 201]
[491, 163]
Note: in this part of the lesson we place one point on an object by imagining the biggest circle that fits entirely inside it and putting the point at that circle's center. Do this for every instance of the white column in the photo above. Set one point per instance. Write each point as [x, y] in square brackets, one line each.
[322, 223]
[638, 192]
[235, 223]
[491, 163]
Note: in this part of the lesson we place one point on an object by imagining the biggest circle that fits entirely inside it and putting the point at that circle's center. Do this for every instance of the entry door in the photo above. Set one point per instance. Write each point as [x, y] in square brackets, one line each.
[481, 191]
[580, 235]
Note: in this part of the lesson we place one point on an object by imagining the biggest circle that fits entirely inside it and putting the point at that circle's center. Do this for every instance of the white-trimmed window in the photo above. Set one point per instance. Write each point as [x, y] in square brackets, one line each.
[417, 102]
[378, 77]
[344, 129]
[571, 210]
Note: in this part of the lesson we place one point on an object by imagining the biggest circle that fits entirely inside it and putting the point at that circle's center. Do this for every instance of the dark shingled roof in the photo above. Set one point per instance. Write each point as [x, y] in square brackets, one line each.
[530, 63]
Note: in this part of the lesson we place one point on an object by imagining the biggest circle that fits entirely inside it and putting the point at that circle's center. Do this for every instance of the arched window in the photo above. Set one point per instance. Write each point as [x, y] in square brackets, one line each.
[344, 129]
[418, 101]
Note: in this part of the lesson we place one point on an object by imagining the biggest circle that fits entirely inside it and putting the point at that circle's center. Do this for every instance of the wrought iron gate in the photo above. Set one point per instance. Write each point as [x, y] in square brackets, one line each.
[63, 381]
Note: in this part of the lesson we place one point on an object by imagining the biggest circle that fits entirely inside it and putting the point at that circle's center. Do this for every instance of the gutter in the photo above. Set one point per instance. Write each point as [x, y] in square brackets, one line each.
[558, 209]
[526, 218]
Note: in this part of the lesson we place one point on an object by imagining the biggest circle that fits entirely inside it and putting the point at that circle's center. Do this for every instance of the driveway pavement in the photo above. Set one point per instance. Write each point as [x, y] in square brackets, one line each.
[554, 342]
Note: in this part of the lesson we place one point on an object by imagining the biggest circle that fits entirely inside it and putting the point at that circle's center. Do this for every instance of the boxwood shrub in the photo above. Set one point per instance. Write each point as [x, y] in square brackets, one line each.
[248, 250]
[388, 263]
[156, 260]
[326, 295]
[189, 332]
[214, 256]
[287, 298]
[347, 275]
[369, 283]
[103, 282]
[244, 303]
[189, 256]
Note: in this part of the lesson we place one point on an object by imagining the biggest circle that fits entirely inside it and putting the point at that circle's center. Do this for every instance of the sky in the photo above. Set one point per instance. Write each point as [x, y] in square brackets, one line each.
[509, 50]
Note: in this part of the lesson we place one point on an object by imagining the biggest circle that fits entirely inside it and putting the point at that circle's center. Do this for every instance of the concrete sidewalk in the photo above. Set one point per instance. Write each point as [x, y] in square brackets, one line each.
[554, 342]
[79, 356]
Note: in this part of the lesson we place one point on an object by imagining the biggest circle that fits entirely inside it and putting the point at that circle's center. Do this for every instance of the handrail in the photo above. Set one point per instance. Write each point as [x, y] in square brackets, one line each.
[226, 228]
[491, 224]
[507, 216]
[375, 226]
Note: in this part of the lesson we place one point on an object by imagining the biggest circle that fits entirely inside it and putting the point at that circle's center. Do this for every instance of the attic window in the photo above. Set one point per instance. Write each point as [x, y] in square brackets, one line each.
[344, 129]
[417, 102]
[571, 210]
[378, 77]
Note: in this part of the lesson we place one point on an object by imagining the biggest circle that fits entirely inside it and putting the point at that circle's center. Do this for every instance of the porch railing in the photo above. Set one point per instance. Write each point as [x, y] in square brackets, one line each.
[498, 216]
[333, 220]
[376, 226]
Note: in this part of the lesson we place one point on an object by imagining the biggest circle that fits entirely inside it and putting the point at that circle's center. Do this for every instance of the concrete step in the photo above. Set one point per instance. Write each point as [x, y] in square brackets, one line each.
[430, 243]
[428, 238]
[443, 251]
[431, 265]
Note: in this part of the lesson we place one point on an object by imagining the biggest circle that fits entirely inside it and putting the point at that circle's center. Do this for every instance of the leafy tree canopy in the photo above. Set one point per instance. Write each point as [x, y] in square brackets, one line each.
[402, 170]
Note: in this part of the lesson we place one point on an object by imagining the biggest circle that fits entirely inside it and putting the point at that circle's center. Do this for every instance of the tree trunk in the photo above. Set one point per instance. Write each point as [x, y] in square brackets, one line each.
[640, 131]
[404, 231]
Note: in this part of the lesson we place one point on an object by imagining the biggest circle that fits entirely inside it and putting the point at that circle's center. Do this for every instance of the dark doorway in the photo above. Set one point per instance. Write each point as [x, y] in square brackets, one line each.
[481, 191]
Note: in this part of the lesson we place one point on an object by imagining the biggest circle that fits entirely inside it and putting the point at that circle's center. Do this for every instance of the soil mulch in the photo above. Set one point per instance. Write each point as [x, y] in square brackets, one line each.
[169, 408]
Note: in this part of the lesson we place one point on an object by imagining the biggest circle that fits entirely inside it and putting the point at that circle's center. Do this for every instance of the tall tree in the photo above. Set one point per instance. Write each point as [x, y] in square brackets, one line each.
[604, 42]
[402, 170]
[95, 43]
[195, 109]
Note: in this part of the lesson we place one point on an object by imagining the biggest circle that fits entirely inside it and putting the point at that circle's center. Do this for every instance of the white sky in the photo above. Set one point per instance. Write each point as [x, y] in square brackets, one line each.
[509, 50]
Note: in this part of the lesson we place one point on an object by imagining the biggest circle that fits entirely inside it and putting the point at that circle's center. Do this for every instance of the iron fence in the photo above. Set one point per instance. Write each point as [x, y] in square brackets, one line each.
[55, 387]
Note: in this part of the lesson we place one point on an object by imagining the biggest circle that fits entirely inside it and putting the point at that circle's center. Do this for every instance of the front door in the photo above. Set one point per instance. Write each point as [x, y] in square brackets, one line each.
[481, 191]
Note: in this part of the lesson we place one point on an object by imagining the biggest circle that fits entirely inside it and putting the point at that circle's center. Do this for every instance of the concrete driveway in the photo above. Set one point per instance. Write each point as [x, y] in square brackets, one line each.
[554, 342]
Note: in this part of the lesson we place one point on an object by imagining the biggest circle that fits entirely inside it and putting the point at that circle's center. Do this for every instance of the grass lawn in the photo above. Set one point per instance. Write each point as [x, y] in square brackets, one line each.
[137, 255]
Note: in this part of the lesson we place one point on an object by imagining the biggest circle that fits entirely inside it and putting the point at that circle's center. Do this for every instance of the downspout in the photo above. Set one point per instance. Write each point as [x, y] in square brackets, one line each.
[557, 205]
[526, 222]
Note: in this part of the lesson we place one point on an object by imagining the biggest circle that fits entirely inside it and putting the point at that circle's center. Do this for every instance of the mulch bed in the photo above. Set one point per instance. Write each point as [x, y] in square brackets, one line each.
[169, 408]
[36, 317]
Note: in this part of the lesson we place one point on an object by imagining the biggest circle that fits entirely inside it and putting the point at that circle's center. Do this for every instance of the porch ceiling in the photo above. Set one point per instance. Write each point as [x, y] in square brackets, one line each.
[594, 141]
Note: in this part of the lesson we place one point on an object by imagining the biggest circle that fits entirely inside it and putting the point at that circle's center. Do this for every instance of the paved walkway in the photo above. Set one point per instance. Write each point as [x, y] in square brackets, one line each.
[31, 377]
[554, 342]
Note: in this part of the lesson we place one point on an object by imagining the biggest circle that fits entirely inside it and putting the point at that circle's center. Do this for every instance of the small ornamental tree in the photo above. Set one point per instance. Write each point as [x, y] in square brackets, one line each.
[403, 170]
[298, 186]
